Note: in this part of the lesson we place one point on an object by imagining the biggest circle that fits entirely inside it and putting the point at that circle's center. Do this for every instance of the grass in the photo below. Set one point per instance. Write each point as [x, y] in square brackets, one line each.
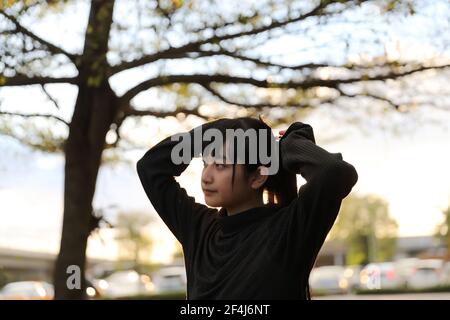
[165, 296]
[444, 288]
[182, 294]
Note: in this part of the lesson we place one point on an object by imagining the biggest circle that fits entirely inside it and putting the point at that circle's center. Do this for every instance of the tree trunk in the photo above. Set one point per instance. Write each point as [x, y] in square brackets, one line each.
[93, 114]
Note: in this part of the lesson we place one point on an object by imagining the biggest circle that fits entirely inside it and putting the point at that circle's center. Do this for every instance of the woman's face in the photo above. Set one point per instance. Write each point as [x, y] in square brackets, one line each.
[216, 184]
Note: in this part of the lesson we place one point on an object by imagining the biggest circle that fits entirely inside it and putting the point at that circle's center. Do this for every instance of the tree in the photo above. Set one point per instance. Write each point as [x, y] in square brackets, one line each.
[367, 229]
[201, 33]
[443, 230]
[133, 240]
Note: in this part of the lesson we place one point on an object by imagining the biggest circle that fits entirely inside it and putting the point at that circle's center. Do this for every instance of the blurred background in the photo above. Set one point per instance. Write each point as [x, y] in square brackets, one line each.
[86, 87]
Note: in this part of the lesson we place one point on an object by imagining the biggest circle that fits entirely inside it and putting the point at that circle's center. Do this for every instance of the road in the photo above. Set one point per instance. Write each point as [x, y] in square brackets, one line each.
[403, 296]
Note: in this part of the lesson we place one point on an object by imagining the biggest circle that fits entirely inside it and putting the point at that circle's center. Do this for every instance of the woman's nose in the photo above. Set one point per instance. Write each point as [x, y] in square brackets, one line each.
[206, 175]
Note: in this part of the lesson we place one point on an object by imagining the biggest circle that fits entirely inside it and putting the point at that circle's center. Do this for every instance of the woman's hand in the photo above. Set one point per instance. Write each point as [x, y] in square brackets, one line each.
[281, 133]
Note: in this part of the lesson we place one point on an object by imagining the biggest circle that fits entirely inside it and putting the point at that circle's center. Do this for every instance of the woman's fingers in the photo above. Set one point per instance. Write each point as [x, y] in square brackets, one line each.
[280, 134]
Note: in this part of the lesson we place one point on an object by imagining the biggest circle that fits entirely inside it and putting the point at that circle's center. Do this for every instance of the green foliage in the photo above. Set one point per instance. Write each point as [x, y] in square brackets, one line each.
[164, 296]
[366, 227]
[440, 288]
[39, 135]
[132, 237]
[443, 229]
[43, 5]
[407, 7]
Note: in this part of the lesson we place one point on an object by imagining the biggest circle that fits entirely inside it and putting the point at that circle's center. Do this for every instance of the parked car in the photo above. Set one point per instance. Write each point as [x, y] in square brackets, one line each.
[170, 279]
[446, 274]
[328, 280]
[27, 290]
[94, 289]
[351, 274]
[406, 267]
[375, 276]
[428, 273]
[125, 284]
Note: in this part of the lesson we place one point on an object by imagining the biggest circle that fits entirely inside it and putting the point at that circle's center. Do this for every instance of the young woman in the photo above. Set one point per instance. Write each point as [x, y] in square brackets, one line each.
[249, 249]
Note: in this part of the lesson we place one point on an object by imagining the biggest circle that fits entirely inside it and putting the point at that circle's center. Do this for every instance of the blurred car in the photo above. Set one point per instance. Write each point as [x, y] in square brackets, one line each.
[376, 276]
[27, 290]
[125, 284]
[446, 273]
[428, 273]
[328, 280]
[406, 267]
[94, 288]
[351, 274]
[170, 279]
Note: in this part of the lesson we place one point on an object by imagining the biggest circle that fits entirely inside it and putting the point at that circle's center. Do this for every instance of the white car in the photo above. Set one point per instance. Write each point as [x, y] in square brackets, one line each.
[170, 279]
[376, 276]
[328, 280]
[351, 274]
[123, 284]
[428, 273]
[27, 290]
[406, 268]
[446, 273]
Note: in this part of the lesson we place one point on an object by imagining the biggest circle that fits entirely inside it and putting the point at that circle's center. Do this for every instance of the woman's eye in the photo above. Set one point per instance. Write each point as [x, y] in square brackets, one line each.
[220, 166]
[206, 163]
[216, 165]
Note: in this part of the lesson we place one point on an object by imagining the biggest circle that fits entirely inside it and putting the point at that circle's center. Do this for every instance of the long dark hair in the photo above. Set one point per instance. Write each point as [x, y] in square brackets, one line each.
[281, 187]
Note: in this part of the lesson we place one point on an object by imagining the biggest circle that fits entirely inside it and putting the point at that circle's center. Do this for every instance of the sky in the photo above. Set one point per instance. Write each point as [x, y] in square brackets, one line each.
[404, 160]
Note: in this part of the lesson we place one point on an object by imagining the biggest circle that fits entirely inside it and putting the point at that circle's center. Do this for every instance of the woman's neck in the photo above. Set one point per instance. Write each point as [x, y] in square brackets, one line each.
[253, 203]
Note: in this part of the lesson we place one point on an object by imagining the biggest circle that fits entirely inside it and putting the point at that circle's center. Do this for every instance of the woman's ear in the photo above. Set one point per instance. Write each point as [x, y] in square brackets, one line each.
[259, 177]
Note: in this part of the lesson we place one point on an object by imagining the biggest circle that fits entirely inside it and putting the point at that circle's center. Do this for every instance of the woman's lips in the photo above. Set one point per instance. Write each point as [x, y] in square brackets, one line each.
[208, 192]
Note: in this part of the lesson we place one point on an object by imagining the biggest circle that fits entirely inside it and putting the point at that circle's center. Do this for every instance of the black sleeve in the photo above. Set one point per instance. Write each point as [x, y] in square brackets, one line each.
[177, 209]
[329, 179]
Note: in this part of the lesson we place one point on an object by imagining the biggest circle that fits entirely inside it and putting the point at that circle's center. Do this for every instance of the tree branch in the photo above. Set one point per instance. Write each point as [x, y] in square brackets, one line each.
[195, 46]
[225, 24]
[34, 115]
[51, 47]
[274, 25]
[373, 96]
[391, 74]
[258, 61]
[205, 79]
[49, 96]
[254, 105]
[167, 54]
[236, 55]
[162, 114]
[22, 80]
[261, 62]
[52, 146]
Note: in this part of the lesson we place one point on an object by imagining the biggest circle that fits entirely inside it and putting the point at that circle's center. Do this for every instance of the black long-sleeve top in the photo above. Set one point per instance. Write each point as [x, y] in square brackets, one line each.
[262, 253]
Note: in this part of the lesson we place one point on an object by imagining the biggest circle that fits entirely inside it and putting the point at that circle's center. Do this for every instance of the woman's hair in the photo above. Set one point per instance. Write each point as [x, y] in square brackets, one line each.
[281, 187]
